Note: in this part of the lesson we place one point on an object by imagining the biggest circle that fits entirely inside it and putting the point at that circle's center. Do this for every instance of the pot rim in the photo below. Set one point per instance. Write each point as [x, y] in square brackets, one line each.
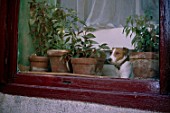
[84, 60]
[35, 58]
[56, 52]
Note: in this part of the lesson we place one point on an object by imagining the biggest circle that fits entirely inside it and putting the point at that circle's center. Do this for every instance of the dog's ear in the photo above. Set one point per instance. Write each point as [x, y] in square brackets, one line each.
[126, 50]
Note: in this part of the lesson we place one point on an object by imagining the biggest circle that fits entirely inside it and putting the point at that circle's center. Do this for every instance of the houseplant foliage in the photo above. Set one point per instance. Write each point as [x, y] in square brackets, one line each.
[84, 46]
[39, 24]
[146, 33]
[56, 30]
[85, 57]
[51, 27]
[67, 35]
[64, 23]
[145, 58]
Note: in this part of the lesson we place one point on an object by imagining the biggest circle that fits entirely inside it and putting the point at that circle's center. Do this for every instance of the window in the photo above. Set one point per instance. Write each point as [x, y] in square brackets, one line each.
[119, 92]
[106, 16]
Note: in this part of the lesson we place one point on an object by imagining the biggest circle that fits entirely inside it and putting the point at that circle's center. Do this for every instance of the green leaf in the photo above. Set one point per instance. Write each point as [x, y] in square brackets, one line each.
[68, 34]
[127, 32]
[89, 29]
[31, 21]
[128, 19]
[89, 35]
[104, 46]
[93, 42]
[82, 22]
[131, 22]
[80, 32]
[55, 25]
[134, 40]
[67, 40]
[38, 28]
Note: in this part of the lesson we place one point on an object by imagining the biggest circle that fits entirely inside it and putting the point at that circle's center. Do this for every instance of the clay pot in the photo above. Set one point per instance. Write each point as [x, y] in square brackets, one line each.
[145, 64]
[38, 63]
[57, 63]
[85, 65]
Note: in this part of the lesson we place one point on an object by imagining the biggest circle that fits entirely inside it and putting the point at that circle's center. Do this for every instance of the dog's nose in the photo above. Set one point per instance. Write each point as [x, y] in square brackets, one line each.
[108, 61]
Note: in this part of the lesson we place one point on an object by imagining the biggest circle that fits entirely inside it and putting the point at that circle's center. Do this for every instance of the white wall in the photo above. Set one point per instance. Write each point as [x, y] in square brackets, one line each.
[113, 37]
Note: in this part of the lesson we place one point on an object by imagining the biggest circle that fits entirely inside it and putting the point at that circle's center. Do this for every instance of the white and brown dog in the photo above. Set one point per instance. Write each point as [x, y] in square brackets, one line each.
[120, 59]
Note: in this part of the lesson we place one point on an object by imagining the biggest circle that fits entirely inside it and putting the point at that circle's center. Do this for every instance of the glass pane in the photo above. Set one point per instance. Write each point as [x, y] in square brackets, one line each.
[120, 38]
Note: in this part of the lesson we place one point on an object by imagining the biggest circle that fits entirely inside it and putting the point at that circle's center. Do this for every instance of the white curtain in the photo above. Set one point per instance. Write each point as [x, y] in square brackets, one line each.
[107, 13]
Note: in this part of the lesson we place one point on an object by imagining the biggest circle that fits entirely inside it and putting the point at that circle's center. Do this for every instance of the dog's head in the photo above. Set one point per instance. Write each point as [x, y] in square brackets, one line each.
[118, 55]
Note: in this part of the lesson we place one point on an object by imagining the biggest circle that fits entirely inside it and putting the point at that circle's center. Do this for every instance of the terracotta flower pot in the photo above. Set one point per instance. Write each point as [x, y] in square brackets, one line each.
[58, 64]
[84, 65]
[145, 64]
[38, 63]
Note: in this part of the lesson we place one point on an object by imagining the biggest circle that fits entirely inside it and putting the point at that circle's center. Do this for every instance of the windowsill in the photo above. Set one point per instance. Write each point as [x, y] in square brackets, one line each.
[140, 94]
[62, 74]
[53, 74]
[88, 82]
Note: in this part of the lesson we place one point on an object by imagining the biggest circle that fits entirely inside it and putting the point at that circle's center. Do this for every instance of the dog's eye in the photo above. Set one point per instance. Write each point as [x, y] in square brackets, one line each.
[117, 53]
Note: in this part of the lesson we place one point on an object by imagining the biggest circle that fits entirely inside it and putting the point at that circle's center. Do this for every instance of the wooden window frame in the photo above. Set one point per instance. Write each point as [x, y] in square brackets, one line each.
[139, 94]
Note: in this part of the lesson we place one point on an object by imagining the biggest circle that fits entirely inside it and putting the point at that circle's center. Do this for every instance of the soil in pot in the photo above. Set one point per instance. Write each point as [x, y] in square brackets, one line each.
[39, 63]
[84, 65]
[57, 63]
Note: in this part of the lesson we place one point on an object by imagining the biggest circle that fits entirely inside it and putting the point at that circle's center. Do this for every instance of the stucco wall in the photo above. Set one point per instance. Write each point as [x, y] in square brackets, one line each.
[20, 104]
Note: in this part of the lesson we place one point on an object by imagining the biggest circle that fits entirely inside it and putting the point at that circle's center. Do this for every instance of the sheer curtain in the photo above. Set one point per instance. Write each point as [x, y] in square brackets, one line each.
[108, 13]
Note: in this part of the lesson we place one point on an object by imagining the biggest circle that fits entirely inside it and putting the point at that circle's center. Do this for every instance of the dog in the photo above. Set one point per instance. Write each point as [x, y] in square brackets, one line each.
[120, 59]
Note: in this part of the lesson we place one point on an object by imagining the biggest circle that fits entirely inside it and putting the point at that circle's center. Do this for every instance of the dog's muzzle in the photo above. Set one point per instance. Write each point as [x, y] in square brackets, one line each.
[109, 61]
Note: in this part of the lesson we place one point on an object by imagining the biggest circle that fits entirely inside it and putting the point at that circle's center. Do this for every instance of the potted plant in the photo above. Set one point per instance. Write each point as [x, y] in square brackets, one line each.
[85, 57]
[38, 25]
[146, 45]
[63, 25]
